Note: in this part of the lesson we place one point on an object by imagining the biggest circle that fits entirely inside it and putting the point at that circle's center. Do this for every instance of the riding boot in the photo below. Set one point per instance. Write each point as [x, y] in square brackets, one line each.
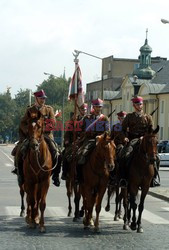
[64, 169]
[56, 172]
[123, 176]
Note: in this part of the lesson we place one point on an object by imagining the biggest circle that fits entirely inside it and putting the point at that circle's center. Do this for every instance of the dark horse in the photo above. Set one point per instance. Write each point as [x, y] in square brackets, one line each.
[37, 170]
[141, 172]
[96, 177]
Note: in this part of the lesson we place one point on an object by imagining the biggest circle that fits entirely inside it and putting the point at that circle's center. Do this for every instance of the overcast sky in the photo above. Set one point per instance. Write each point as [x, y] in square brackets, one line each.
[39, 36]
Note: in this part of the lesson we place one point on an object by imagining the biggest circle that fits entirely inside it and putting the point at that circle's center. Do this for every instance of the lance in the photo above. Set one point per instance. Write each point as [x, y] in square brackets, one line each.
[152, 113]
[111, 113]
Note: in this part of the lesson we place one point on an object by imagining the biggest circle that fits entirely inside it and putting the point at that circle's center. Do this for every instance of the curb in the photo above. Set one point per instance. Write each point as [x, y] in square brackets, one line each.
[159, 196]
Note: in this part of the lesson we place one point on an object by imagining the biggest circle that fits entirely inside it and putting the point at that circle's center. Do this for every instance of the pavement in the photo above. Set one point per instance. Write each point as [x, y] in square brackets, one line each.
[160, 192]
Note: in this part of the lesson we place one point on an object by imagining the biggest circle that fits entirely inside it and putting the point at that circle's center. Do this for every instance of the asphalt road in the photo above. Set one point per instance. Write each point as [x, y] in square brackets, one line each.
[62, 233]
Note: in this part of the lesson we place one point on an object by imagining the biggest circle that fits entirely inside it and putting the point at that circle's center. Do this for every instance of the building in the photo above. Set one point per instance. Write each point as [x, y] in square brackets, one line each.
[124, 78]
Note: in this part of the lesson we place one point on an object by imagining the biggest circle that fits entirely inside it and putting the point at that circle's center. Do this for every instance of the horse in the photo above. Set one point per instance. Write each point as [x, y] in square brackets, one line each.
[96, 177]
[37, 168]
[73, 188]
[141, 172]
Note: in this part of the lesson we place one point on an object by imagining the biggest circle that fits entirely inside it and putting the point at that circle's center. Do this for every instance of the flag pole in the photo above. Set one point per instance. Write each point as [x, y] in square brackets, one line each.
[76, 61]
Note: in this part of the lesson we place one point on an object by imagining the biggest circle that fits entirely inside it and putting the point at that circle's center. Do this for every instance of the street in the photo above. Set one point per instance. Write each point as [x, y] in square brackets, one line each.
[62, 232]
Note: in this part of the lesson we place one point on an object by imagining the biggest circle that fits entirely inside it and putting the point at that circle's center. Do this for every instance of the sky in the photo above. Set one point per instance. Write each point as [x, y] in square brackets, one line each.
[38, 36]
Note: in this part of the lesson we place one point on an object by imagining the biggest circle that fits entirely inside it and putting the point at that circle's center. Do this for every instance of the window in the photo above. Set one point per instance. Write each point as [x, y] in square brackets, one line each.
[136, 65]
[127, 96]
[109, 67]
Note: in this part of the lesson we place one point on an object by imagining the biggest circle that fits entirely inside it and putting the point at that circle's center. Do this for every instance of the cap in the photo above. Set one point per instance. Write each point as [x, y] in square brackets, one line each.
[137, 99]
[40, 94]
[97, 102]
[84, 106]
[122, 114]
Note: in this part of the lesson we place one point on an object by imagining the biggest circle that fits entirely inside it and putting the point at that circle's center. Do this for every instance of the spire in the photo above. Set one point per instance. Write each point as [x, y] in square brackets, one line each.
[144, 71]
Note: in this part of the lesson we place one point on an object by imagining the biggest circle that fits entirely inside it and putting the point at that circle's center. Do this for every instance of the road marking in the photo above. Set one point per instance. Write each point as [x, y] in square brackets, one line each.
[105, 217]
[152, 218]
[165, 208]
[7, 156]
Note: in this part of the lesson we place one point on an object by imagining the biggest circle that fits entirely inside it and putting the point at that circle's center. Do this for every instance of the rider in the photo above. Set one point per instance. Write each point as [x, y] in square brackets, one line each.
[68, 139]
[20, 150]
[93, 124]
[134, 126]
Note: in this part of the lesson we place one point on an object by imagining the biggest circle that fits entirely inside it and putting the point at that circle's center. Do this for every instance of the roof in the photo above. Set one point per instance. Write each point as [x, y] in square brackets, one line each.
[109, 95]
[162, 72]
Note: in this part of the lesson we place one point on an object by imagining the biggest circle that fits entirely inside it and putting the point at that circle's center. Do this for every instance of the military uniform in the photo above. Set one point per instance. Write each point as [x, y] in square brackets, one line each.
[135, 125]
[48, 113]
[93, 125]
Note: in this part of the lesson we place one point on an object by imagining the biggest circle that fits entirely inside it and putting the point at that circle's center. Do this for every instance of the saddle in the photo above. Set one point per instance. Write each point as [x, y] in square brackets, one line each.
[85, 150]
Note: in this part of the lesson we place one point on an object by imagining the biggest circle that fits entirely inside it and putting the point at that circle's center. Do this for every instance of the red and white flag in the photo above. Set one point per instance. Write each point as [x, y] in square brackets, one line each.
[75, 87]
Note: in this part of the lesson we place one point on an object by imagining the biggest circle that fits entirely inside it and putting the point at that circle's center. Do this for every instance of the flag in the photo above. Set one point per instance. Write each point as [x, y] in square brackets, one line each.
[76, 90]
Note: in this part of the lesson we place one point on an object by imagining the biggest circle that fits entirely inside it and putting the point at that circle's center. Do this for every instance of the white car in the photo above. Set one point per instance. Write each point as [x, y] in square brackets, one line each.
[163, 150]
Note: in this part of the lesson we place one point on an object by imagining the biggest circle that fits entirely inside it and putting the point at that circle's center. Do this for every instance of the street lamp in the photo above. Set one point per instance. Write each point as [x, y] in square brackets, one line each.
[164, 21]
[78, 52]
[62, 132]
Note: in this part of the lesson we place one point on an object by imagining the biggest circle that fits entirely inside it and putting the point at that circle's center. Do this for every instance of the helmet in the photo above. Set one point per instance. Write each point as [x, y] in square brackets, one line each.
[97, 102]
[137, 99]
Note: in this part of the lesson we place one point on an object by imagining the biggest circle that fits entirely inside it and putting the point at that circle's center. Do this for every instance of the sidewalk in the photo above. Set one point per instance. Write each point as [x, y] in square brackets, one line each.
[160, 193]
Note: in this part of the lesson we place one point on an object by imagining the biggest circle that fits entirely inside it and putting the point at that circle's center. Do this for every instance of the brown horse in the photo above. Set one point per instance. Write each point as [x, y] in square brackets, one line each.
[141, 172]
[37, 170]
[96, 177]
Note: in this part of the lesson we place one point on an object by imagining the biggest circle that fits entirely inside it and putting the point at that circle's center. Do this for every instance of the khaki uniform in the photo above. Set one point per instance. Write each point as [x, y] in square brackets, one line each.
[135, 126]
[46, 111]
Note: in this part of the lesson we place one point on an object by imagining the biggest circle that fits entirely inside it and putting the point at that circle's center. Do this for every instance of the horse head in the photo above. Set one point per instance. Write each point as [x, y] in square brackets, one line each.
[106, 148]
[35, 129]
[149, 143]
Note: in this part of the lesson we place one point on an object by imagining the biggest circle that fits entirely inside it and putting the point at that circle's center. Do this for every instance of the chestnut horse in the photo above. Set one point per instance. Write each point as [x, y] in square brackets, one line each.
[141, 172]
[96, 177]
[37, 170]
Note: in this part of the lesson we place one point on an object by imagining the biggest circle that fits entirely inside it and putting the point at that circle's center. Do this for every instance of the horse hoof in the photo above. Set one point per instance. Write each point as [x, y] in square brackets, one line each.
[32, 225]
[42, 229]
[86, 227]
[69, 214]
[27, 220]
[107, 208]
[75, 219]
[140, 230]
[91, 223]
[96, 230]
[116, 218]
[133, 226]
[81, 213]
[125, 227]
[22, 214]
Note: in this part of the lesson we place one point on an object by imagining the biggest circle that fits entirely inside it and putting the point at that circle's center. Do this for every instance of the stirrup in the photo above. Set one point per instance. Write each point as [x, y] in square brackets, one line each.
[123, 183]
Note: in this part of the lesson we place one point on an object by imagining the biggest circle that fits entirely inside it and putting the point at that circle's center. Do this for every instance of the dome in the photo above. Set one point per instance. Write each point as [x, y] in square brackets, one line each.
[146, 47]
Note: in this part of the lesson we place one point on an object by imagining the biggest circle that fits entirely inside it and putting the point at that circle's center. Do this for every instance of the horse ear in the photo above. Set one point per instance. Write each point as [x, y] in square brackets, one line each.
[156, 130]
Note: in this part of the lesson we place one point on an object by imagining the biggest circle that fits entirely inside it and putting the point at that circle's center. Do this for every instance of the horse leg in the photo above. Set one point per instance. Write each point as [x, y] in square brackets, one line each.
[133, 205]
[124, 196]
[99, 198]
[69, 194]
[22, 192]
[109, 192]
[116, 217]
[43, 189]
[89, 199]
[140, 209]
[32, 200]
[76, 201]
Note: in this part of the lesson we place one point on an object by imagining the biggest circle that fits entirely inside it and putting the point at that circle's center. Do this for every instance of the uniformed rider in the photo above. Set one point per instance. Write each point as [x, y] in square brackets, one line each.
[20, 149]
[69, 138]
[93, 124]
[134, 126]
